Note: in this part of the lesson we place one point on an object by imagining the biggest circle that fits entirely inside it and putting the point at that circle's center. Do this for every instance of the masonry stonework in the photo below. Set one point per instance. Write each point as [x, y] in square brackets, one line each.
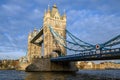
[58, 23]
[34, 51]
[46, 65]
[52, 18]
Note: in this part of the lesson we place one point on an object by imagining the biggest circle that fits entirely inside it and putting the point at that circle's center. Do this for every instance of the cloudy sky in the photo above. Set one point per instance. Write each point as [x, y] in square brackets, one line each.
[94, 21]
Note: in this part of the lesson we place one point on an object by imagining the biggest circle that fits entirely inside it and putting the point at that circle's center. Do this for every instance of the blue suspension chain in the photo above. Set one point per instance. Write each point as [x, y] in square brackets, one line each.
[56, 35]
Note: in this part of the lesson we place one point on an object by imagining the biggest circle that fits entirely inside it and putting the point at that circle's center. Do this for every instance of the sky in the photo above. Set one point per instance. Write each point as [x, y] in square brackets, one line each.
[94, 21]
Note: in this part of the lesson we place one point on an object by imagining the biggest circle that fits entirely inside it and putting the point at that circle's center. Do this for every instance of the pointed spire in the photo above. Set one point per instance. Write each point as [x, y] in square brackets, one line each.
[35, 29]
[54, 10]
[54, 6]
[64, 13]
[48, 8]
[45, 12]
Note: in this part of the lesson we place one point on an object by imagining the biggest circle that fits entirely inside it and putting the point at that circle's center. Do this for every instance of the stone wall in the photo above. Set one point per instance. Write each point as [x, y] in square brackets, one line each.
[44, 64]
[22, 66]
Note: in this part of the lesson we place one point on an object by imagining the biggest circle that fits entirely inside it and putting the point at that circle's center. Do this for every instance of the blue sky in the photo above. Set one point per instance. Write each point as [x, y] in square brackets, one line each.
[94, 21]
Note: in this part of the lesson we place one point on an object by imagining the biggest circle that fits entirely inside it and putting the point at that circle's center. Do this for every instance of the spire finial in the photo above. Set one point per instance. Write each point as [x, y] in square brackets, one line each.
[35, 28]
[45, 12]
[64, 11]
[48, 7]
[54, 6]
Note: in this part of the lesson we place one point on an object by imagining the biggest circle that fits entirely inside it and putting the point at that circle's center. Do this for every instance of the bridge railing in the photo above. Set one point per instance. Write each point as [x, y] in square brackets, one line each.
[94, 53]
[110, 50]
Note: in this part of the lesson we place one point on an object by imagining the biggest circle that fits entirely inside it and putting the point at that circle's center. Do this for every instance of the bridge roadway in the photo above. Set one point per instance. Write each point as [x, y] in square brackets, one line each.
[90, 56]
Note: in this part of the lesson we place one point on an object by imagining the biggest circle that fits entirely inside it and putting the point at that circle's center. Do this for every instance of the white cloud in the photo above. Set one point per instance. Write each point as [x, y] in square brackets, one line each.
[22, 37]
[12, 55]
[93, 28]
[42, 2]
[11, 9]
[35, 14]
[10, 39]
[92, 22]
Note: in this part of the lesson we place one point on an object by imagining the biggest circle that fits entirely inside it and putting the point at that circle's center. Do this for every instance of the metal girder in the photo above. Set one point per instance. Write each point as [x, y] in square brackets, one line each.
[37, 36]
[103, 55]
[38, 43]
[105, 52]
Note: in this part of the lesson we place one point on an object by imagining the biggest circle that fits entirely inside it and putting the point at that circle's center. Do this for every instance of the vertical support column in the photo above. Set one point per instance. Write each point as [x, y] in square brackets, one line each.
[34, 51]
[58, 23]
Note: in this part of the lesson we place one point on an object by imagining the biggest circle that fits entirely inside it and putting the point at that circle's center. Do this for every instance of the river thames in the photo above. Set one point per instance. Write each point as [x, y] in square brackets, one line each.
[80, 75]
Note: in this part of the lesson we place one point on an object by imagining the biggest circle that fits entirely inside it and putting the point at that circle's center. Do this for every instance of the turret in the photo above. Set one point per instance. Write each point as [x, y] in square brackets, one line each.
[47, 14]
[34, 33]
[54, 10]
[58, 23]
[64, 16]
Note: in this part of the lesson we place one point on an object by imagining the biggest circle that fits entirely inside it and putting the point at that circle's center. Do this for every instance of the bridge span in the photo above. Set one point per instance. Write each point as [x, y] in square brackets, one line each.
[56, 42]
[111, 54]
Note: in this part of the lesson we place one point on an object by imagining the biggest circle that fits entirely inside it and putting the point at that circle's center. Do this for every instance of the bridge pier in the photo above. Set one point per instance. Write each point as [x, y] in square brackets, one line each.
[44, 64]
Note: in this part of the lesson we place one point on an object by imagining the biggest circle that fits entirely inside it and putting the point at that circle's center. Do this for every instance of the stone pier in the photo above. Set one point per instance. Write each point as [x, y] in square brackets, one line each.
[44, 64]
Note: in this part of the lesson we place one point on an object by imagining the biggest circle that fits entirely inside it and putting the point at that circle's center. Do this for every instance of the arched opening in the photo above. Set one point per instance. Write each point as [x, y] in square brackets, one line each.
[58, 52]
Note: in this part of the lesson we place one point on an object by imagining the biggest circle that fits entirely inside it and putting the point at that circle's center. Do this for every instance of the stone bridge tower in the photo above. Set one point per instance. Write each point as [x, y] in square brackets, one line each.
[34, 51]
[58, 23]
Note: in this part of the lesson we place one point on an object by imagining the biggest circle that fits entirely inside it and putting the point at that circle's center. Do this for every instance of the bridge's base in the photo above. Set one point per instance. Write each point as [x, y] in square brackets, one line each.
[46, 65]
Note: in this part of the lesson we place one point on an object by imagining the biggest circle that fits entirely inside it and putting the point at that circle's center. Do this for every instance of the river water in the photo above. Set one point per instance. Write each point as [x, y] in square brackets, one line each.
[80, 75]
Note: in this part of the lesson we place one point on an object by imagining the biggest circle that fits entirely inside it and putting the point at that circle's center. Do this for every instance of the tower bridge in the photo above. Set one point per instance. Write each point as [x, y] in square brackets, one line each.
[52, 39]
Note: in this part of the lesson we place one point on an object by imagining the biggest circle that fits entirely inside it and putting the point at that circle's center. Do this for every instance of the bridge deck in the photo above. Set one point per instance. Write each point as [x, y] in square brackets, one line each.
[89, 56]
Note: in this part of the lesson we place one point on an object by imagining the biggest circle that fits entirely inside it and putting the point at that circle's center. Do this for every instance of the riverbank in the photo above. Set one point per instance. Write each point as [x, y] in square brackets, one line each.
[7, 69]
